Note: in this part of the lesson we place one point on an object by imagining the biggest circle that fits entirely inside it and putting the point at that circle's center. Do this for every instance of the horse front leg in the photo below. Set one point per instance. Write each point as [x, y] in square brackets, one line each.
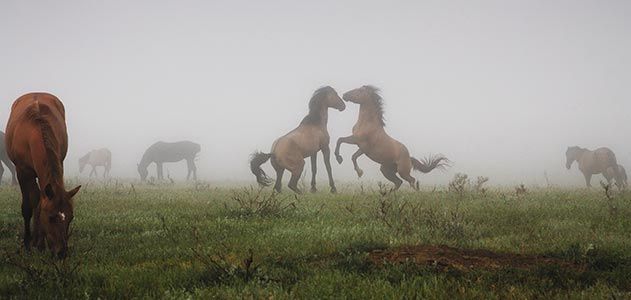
[348, 140]
[326, 153]
[356, 155]
[26, 184]
[159, 170]
[314, 171]
[588, 180]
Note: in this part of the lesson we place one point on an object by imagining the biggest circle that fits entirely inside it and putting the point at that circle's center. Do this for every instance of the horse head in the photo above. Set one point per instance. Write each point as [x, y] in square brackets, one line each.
[143, 172]
[57, 212]
[571, 155]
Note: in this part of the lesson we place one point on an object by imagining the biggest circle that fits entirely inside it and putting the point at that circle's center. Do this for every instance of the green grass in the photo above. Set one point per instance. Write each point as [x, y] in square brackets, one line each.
[181, 241]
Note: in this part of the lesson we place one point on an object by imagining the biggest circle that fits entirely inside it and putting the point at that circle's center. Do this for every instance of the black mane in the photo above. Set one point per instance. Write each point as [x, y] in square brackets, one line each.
[315, 104]
[378, 101]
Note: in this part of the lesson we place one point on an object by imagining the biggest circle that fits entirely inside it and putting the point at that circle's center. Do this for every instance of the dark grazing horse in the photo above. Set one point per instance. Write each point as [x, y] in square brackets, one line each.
[371, 138]
[163, 152]
[4, 158]
[590, 162]
[37, 142]
[306, 140]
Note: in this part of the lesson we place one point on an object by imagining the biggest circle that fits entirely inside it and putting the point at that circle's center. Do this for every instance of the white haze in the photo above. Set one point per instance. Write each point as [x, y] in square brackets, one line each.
[500, 87]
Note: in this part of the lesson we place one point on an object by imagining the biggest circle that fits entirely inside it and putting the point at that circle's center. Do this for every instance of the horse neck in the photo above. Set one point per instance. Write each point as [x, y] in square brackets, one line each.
[324, 116]
[368, 115]
[145, 161]
[47, 164]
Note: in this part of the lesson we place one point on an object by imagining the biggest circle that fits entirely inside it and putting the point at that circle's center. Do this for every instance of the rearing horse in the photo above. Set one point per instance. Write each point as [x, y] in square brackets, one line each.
[310, 137]
[599, 161]
[371, 138]
[37, 143]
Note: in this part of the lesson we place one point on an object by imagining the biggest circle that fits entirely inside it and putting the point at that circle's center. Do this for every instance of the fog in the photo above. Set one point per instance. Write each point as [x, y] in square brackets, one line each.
[499, 87]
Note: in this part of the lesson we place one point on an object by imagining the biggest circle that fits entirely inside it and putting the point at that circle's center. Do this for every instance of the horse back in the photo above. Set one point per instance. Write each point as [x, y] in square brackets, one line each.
[28, 114]
[599, 161]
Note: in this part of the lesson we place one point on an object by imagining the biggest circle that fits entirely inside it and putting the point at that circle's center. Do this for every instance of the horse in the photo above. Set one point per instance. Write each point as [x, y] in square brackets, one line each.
[310, 137]
[610, 175]
[371, 138]
[37, 143]
[4, 158]
[95, 158]
[161, 152]
[593, 162]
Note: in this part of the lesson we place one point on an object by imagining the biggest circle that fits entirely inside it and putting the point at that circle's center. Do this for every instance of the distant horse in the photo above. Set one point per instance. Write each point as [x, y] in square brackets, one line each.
[593, 162]
[371, 138]
[310, 137]
[97, 158]
[37, 143]
[162, 152]
[610, 175]
[4, 158]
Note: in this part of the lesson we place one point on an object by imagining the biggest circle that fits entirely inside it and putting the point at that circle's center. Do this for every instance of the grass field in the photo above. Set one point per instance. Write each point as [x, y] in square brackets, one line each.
[201, 241]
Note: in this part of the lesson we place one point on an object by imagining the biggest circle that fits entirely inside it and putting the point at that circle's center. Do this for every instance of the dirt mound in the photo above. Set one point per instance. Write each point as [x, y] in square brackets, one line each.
[463, 259]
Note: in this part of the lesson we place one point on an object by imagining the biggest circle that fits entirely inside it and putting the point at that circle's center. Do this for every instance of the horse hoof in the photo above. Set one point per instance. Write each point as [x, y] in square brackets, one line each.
[360, 173]
[339, 159]
[314, 190]
[333, 190]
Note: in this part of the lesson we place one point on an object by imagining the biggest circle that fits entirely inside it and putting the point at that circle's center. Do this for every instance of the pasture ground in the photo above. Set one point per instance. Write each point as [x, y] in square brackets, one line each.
[200, 241]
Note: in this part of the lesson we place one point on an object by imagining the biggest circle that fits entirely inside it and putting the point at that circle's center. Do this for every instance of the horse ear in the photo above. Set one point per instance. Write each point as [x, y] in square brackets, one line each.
[73, 192]
[48, 191]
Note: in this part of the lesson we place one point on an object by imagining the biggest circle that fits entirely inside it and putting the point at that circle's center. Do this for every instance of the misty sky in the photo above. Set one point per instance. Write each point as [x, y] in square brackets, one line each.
[500, 87]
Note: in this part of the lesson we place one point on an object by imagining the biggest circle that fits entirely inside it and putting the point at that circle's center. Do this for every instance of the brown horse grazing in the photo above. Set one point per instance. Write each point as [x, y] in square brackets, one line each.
[96, 158]
[593, 162]
[371, 138]
[622, 179]
[37, 143]
[4, 158]
[289, 151]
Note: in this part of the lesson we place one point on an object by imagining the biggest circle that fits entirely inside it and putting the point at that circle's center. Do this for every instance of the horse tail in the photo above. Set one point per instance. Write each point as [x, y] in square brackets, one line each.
[430, 163]
[256, 160]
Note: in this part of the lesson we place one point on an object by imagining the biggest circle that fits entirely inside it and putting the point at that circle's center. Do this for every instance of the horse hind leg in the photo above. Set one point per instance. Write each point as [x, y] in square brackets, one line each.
[1, 172]
[390, 172]
[295, 176]
[411, 180]
[279, 175]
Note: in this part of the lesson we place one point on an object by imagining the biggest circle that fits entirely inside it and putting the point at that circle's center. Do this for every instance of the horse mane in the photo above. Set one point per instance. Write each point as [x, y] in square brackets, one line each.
[34, 114]
[378, 102]
[315, 104]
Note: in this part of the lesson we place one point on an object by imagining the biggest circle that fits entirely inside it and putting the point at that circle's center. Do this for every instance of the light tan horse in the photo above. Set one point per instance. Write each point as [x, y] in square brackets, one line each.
[371, 138]
[593, 162]
[310, 137]
[97, 158]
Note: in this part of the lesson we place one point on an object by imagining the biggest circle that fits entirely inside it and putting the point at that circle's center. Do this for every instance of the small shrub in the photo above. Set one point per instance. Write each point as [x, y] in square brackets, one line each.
[252, 202]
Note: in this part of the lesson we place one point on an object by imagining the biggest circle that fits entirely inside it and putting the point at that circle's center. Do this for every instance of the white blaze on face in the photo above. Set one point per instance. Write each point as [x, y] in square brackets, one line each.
[62, 216]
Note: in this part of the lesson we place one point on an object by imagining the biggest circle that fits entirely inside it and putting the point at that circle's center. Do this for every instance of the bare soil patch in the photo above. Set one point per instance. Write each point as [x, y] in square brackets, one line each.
[464, 259]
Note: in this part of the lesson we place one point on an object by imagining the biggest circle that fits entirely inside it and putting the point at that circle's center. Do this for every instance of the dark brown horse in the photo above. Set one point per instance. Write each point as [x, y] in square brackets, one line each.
[4, 158]
[37, 143]
[162, 152]
[593, 162]
[371, 138]
[310, 137]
